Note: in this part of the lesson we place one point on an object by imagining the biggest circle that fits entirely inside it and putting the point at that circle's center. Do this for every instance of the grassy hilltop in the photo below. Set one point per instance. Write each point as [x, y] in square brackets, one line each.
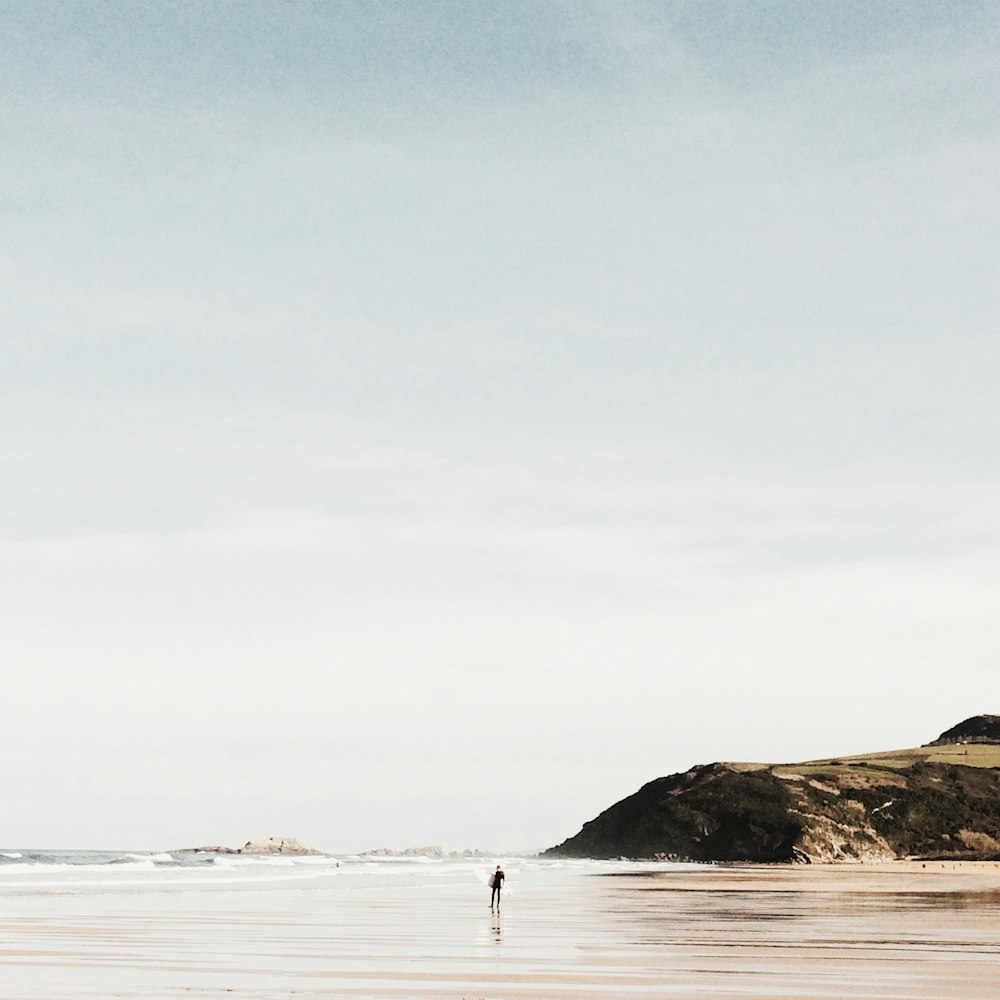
[940, 800]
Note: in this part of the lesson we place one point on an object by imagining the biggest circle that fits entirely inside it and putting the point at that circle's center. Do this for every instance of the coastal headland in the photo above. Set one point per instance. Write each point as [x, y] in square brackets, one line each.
[939, 801]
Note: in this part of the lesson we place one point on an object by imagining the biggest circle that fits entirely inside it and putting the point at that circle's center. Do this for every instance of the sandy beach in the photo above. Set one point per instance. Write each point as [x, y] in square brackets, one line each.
[904, 931]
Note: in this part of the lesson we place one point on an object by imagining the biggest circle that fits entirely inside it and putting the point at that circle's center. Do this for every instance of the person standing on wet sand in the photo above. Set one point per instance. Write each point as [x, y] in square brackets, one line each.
[496, 880]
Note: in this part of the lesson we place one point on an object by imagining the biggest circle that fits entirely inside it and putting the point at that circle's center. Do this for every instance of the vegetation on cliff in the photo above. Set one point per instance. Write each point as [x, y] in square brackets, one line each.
[942, 800]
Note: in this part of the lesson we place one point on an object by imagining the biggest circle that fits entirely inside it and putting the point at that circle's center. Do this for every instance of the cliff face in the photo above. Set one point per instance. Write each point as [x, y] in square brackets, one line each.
[924, 802]
[708, 813]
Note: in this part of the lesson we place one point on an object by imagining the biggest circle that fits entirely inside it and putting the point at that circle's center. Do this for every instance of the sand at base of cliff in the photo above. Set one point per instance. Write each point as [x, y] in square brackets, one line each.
[920, 932]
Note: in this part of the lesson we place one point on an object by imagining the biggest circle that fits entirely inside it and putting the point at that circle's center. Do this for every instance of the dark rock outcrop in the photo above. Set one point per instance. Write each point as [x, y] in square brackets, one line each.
[978, 729]
[709, 813]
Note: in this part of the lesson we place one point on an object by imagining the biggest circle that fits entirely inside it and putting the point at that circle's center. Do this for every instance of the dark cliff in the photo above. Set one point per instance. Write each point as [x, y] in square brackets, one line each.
[978, 729]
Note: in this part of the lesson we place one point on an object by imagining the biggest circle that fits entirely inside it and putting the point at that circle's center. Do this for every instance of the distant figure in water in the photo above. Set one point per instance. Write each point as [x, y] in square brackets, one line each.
[496, 880]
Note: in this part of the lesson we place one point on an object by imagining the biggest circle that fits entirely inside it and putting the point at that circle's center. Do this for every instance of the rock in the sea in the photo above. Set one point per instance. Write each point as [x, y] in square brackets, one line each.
[276, 845]
[411, 852]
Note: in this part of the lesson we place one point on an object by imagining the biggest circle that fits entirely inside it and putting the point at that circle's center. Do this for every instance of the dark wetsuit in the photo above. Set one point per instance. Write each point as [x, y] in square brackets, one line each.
[498, 877]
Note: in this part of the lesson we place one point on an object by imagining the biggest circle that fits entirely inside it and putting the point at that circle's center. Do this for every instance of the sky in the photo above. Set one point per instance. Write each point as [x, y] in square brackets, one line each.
[426, 423]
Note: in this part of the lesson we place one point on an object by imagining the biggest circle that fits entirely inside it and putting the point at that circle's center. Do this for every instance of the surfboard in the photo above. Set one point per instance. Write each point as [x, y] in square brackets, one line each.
[493, 881]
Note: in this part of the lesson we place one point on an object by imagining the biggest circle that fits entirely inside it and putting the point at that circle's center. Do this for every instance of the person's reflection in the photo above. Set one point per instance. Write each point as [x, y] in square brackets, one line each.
[497, 929]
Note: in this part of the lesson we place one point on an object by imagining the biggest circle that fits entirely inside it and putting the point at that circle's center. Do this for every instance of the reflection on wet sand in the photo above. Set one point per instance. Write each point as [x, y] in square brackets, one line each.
[901, 932]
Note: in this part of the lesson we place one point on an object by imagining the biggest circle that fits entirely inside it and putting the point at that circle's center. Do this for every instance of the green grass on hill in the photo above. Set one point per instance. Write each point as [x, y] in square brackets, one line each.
[863, 769]
[965, 754]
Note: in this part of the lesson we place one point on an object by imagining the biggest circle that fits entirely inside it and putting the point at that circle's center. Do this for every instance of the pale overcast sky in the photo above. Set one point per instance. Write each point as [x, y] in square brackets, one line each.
[427, 422]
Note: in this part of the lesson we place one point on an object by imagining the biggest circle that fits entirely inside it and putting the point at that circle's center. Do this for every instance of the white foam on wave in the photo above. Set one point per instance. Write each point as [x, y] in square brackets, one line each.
[43, 868]
[140, 860]
[165, 870]
[147, 872]
[259, 861]
[162, 878]
[113, 865]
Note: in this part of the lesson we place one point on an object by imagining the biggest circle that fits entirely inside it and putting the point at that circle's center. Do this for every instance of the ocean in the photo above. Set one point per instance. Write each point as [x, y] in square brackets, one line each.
[82, 925]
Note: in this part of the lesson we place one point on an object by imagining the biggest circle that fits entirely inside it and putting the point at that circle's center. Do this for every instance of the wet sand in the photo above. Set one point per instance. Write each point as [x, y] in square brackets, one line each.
[902, 930]
[892, 932]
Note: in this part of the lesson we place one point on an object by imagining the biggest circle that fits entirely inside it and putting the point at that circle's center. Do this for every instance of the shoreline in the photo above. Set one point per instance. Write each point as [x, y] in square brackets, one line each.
[886, 878]
[915, 929]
